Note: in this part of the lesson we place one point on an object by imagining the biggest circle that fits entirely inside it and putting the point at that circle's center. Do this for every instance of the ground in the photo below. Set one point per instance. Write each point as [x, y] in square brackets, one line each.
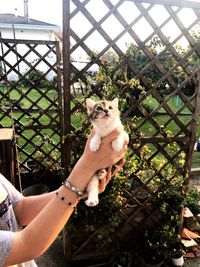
[54, 257]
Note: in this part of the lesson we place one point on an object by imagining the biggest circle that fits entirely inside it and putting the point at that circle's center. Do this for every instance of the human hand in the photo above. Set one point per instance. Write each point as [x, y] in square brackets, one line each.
[111, 171]
[105, 156]
[90, 162]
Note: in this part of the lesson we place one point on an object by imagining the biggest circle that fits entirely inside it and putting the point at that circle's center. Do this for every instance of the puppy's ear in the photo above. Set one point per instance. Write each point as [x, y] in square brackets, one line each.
[89, 105]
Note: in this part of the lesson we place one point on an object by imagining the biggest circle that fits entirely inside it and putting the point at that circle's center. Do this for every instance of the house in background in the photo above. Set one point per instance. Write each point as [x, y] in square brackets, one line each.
[19, 27]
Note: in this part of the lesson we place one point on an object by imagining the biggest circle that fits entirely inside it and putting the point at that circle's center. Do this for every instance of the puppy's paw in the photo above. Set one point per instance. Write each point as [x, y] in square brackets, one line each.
[92, 203]
[117, 144]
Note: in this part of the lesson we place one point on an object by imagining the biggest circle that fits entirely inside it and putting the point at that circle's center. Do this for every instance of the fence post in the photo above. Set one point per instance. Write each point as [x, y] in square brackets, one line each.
[66, 85]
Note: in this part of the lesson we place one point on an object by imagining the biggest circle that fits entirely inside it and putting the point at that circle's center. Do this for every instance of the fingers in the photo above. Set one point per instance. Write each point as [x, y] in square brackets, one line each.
[103, 182]
[84, 196]
[117, 167]
[118, 158]
[111, 171]
[102, 185]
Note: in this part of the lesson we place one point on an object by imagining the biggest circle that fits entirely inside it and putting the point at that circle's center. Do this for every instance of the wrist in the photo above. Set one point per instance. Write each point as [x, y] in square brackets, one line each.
[73, 188]
[68, 197]
[81, 174]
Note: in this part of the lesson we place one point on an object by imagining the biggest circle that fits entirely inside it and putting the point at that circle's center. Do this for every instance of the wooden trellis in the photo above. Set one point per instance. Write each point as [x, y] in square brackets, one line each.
[137, 213]
[44, 115]
[33, 106]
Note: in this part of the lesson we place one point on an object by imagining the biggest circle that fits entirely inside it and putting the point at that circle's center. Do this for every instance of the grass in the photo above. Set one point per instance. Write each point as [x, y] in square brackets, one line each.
[175, 105]
[34, 104]
[34, 96]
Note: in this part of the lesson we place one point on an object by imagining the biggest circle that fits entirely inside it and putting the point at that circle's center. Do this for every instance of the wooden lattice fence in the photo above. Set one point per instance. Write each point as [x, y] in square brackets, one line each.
[152, 67]
[30, 100]
[155, 77]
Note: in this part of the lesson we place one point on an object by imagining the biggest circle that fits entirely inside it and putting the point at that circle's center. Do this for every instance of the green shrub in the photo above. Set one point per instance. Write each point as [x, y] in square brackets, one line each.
[35, 78]
[192, 200]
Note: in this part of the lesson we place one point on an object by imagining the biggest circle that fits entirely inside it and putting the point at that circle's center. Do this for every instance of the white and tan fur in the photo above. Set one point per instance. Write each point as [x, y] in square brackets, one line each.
[105, 117]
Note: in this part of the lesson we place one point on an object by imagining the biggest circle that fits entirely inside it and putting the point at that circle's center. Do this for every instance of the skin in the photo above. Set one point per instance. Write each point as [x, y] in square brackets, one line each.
[46, 215]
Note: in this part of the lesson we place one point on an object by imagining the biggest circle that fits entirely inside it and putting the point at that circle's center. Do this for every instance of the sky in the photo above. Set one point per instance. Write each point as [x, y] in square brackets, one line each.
[51, 11]
[44, 10]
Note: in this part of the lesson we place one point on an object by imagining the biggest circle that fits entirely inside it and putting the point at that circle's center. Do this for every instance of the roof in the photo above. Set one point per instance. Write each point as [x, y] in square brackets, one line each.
[7, 21]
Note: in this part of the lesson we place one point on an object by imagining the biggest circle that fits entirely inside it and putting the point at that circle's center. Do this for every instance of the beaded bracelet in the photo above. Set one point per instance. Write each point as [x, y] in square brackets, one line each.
[63, 199]
[73, 188]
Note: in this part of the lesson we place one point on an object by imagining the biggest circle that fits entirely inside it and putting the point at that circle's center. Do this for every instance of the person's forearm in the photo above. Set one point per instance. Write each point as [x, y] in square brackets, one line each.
[33, 240]
[25, 214]
[29, 207]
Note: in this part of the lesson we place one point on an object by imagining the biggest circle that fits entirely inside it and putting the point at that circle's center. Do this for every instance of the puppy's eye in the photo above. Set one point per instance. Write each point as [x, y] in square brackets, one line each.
[110, 107]
[99, 108]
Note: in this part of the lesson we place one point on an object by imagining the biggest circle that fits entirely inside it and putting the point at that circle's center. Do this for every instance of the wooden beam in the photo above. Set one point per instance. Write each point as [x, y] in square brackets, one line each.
[22, 41]
[179, 3]
[66, 85]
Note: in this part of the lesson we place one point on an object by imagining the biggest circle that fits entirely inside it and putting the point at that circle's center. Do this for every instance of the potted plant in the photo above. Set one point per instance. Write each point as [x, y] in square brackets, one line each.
[153, 258]
[151, 251]
[162, 245]
[177, 255]
[162, 242]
